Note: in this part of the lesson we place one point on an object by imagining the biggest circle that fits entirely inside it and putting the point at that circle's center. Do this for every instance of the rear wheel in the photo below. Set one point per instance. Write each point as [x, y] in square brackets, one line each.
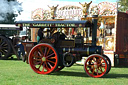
[43, 59]
[95, 66]
[5, 48]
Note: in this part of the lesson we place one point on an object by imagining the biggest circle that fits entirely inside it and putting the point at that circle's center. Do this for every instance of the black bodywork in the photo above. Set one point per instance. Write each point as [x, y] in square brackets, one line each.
[69, 50]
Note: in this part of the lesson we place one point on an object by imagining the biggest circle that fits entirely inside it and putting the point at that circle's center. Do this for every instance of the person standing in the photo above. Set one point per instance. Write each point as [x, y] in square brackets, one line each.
[40, 35]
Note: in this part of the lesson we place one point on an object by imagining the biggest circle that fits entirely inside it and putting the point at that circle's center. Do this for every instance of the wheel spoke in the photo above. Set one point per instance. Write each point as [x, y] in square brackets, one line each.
[94, 59]
[50, 55]
[50, 61]
[37, 63]
[40, 65]
[103, 67]
[3, 52]
[47, 66]
[90, 61]
[51, 58]
[90, 64]
[43, 67]
[99, 64]
[97, 71]
[98, 60]
[50, 65]
[40, 50]
[37, 59]
[38, 56]
[39, 53]
[35, 54]
[48, 51]
[4, 47]
[2, 43]
[101, 70]
[45, 51]
[93, 70]
[5, 44]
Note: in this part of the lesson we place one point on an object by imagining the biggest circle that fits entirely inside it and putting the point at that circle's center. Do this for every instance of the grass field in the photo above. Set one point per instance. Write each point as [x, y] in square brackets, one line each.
[15, 72]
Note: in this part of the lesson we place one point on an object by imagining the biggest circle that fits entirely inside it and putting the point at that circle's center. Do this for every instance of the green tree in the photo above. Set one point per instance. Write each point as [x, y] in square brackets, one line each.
[123, 5]
[9, 11]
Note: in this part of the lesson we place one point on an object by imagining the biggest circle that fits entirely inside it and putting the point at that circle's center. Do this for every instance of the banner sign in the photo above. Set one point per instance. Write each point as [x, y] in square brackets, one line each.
[58, 24]
[48, 25]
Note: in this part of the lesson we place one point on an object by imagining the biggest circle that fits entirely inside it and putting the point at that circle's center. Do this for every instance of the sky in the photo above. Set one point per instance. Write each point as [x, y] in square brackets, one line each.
[30, 5]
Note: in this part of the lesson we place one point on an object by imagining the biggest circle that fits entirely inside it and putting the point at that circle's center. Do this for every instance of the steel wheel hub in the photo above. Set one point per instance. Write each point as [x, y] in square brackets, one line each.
[43, 59]
[95, 65]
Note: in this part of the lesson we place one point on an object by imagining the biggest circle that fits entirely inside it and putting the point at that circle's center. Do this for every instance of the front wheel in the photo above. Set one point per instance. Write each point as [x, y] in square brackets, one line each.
[96, 66]
[43, 58]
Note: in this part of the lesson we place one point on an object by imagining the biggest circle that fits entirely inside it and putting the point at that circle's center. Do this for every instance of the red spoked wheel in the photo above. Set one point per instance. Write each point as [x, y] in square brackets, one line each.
[43, 59]
[95, 66]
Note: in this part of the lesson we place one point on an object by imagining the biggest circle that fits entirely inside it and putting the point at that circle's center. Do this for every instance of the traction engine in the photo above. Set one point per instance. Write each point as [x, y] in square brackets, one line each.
[57, 50]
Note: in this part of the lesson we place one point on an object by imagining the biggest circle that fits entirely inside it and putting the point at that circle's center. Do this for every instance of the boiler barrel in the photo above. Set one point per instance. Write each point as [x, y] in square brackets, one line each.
[84, 51]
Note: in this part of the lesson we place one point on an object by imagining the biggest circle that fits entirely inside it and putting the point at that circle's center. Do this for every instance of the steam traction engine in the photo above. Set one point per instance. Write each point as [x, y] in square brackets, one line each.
[8, 40]
[57, 50]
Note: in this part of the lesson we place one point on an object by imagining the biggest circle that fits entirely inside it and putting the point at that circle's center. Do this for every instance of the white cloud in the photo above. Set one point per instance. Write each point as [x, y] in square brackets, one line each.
[6, 7]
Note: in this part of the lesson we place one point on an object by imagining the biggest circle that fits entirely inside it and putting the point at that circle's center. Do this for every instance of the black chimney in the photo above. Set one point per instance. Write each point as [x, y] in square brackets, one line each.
[94, 29]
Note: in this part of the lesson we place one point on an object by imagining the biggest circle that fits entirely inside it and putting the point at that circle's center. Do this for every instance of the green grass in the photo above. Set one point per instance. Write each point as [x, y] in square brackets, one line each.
[15, 72]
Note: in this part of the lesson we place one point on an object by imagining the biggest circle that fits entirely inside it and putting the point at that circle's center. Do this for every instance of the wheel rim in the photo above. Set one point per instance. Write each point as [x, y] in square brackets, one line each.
[43, 59]
[109, 63]
[95, 66]
[4, 48]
